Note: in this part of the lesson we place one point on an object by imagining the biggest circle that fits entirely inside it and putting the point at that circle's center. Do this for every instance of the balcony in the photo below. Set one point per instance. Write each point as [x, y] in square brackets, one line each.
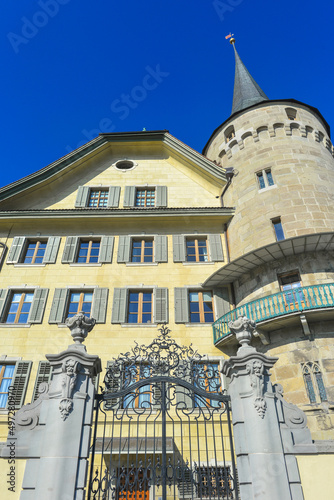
[287, 306]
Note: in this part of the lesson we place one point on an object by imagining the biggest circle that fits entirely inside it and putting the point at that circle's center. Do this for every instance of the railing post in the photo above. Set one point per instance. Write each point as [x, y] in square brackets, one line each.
[266, 428]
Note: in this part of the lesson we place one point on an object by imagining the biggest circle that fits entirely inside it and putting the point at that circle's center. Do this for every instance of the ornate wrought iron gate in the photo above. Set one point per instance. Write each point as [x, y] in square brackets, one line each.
[162, 427]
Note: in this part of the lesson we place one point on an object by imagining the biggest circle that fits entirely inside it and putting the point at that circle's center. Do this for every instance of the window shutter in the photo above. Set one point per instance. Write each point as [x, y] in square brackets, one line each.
[184, 397]
[82, 197]
[70, 249]
[179, 250]
[181, 305]
[129, 196]
[43, 375]
[99, 308]
[124, 247]
[113, 198]
[160, 248]
[114, 386]
[222, 302]
[4, 295]
[160, 305]
[119, 305]
[58, 305]
[16, 250]
[161, 196]
[106, 249]
[38, 305]
[216, 248]
[51, 250]
[20, 382]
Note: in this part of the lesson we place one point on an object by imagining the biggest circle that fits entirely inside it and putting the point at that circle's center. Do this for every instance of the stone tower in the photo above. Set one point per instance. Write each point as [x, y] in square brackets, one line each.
[278, 158]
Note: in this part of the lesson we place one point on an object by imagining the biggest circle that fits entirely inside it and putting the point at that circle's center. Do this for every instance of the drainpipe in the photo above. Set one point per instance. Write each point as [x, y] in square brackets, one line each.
[229, 172]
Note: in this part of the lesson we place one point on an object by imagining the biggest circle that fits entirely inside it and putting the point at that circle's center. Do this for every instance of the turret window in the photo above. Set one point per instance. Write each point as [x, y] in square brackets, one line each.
[314, 383]
[229, 133]
[291, 113]
[265, 178]
[278, 228]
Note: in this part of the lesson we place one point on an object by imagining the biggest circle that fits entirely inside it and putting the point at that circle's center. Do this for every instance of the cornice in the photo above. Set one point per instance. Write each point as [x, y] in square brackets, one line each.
[226, 212]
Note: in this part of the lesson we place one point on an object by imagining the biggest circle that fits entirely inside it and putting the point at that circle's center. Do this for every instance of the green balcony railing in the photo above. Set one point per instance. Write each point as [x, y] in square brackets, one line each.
[280, 304]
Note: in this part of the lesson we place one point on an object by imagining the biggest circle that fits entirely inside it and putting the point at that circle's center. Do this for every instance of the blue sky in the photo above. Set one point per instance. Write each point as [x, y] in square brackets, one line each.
[74, 68]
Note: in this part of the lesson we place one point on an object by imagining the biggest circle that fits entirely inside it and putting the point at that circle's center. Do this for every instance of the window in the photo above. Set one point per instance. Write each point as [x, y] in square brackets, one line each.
[14, 378]
[197, 250]
[291, 113]
[314, 382]
[201, 307]
[6, 376]
[291, 286]
[33, 251]
[206, 377]
[140, 307]
[98, 198]
[88, 251]
[19, 308]
[265, 178]
[229, 133]
[80, 301]
[278, 228]
[125, 164]
[145, 197]
[141, 398]
[142, 250]
[67, 303]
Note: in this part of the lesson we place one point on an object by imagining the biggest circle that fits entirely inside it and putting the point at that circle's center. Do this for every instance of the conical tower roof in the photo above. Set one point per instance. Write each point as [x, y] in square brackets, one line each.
[246, 91]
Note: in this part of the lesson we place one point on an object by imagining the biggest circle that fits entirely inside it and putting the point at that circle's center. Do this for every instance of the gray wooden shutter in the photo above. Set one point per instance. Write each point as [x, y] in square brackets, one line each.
[160, 248]
[99, 308]
[51, 250]
[19, 383]
[106, 249]
[184, 397]
[82, 197]
[129, 196]
[4, 295]
[16, 250]
[113, 198]
[179, 248]
[124, 247]
[222, 302]
[161, 196]
[181, 305]
[38, 305]
[160, 305]
[43, 375]
[119, 305]
[58, 305]
[216, 248]
[70, 249]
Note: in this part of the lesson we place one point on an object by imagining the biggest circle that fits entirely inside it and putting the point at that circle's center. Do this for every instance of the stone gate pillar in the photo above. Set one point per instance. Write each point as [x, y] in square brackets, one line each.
[267, 430]
[54, 432]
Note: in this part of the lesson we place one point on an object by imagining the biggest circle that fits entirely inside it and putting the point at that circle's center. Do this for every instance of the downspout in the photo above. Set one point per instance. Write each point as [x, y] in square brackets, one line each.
[228, 261]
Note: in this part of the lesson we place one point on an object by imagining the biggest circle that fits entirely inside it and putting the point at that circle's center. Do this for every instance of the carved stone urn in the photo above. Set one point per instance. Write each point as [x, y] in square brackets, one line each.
[243, 329]
[80, 325]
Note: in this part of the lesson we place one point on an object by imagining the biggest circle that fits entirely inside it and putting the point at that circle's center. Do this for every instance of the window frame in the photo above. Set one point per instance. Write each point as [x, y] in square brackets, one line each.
[275, 221]
[201, 303]
[142, 242]
[19, 308]
[197, 255]
[140, 302]
[90, 242]
[2, 372]
[312, 368]
[146, 190]
[26, 248]
[264, 174]
[93, 190]
[80, 303]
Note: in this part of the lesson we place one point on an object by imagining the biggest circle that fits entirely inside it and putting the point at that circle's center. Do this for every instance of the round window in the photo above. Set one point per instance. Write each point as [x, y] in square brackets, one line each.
[124, 164]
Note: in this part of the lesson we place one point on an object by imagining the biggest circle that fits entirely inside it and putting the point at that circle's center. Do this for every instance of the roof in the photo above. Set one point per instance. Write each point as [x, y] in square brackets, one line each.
[268, 253]
[172, 144]
[246, 91]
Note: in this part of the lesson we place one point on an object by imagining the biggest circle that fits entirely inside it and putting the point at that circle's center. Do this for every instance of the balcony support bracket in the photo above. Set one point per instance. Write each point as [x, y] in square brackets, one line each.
[305, 325]
[264, 336]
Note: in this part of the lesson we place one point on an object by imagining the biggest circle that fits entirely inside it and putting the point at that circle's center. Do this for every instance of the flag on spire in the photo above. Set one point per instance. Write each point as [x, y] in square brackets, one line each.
[229, 36]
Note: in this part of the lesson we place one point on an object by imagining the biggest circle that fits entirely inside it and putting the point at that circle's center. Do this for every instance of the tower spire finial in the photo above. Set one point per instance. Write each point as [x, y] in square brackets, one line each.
[246, 91]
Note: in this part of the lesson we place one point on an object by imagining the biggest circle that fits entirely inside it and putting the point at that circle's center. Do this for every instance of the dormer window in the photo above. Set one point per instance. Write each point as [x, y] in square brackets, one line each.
[291, 113]
[229, 133]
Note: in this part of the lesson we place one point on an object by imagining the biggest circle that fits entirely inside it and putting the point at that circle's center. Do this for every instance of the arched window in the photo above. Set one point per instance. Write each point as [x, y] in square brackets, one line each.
[291, 113]
[229, 133]
[314, 382]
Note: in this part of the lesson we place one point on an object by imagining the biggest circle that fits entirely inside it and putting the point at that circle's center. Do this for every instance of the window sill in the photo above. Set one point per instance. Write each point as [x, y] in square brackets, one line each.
[268, 188]
[29, 265]
[89, 264]
[10, 325]
[139, 325]
[198, 324]
[198, 263]
[140, 264]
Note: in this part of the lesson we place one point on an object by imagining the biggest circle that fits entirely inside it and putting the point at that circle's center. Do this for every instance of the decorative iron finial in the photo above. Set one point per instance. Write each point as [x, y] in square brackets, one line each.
[230, 36]
[80, 325]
